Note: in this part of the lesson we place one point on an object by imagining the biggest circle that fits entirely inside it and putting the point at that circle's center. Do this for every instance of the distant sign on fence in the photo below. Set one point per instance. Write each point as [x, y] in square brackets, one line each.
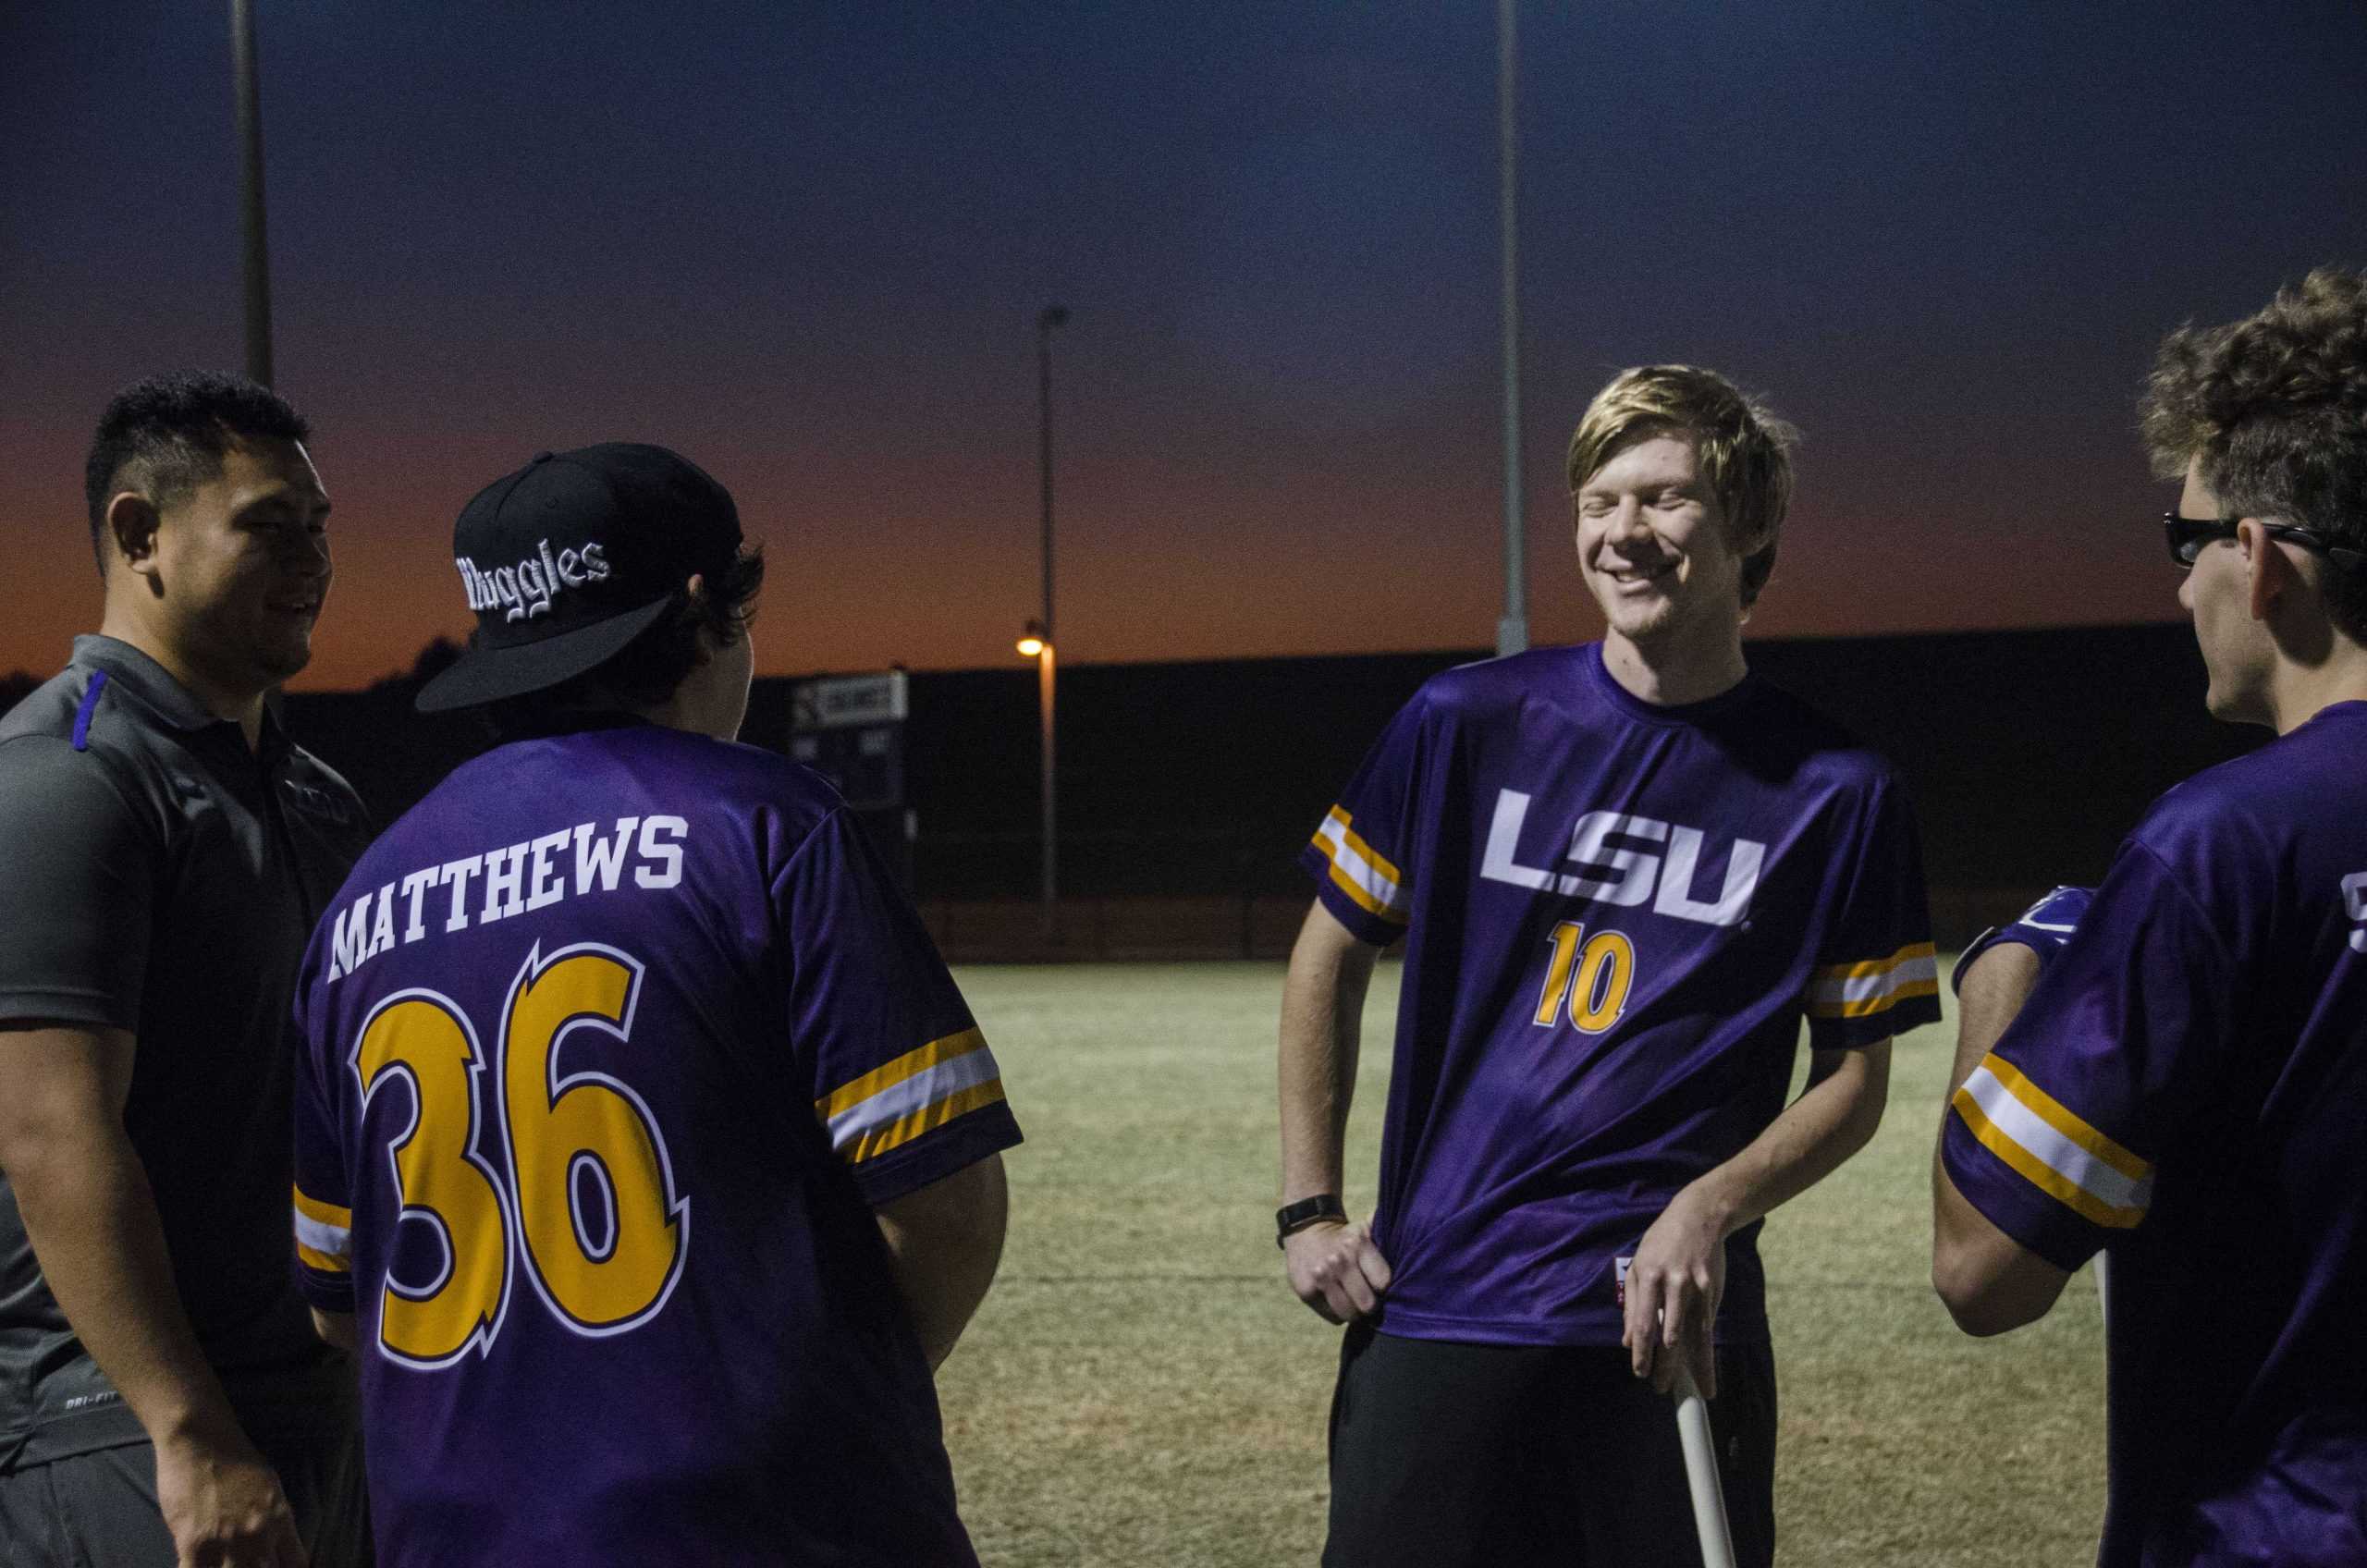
[850, 729]
[847, 701]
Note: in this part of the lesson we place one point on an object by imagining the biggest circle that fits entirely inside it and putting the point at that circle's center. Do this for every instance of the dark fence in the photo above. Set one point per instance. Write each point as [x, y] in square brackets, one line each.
[2029, 753]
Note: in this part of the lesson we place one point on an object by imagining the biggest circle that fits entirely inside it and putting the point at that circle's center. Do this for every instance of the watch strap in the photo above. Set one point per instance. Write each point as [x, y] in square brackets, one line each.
[1293, 1218]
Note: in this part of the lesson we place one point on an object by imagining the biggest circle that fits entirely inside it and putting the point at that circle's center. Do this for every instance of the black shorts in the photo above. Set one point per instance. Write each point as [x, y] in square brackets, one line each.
[1485, 1456]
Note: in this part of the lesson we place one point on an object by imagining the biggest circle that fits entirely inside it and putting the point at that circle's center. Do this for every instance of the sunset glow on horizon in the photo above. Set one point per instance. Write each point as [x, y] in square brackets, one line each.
[809, 251]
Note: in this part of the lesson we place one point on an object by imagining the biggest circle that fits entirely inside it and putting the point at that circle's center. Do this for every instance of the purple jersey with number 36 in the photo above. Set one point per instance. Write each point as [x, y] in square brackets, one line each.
[2187, 1085]
[1615, 918]
[611, 1046]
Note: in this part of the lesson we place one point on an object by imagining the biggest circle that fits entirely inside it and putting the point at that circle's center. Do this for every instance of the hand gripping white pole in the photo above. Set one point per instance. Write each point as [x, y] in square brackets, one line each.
[1701, 1472]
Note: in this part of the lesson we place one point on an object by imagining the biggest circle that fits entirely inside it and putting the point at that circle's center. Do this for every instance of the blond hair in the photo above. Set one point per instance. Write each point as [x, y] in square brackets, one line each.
[1745, 451]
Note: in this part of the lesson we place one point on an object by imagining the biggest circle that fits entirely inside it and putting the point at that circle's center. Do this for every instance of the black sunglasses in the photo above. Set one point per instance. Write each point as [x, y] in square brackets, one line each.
[2188, 534]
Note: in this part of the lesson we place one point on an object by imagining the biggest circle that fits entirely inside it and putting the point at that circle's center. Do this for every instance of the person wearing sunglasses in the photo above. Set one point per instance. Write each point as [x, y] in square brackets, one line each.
[2186, 1087]
[2190, 534]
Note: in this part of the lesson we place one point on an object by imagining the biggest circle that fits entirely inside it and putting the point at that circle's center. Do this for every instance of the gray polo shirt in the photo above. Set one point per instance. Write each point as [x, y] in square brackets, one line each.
[158, 876]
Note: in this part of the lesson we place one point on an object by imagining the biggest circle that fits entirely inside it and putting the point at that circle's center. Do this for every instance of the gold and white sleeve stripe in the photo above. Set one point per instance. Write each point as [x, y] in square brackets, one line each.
[918, 1092]
[1861, 990]
[2051, 1147]
[323, 1234]
[1362, 873]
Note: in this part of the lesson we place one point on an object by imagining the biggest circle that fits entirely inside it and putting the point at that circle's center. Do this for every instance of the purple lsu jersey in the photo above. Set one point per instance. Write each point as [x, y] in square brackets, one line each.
[2187, 1086]
[1615, 916]
[610, 1046]
[2044, 929]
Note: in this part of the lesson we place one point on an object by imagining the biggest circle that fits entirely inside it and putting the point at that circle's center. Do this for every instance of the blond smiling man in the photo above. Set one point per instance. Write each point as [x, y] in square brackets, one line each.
[1623, 872]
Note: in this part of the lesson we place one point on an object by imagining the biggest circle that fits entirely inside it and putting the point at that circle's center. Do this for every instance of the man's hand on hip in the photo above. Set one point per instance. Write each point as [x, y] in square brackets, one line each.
[1336, 1269]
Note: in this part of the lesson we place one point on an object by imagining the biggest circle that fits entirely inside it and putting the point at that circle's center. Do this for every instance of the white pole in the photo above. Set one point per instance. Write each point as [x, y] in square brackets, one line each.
[1511, 631]
[1701, 1473]
[1051, 316]
[1046, 681]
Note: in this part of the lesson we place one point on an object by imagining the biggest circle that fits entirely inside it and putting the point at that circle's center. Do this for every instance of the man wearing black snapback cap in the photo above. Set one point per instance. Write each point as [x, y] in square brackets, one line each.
[645, 1147]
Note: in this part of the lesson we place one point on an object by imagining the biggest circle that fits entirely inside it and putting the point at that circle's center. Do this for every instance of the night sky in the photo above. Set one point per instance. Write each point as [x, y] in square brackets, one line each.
[806, 244]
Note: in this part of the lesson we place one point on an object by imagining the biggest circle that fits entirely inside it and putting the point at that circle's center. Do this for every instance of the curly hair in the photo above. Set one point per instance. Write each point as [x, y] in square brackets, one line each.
[165, 436]
[1745, 451]
[2273, 409]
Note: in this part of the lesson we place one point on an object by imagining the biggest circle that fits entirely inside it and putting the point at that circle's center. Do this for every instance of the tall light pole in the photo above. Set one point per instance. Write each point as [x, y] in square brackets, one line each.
[1511, 631]
[1047, 656]
[247, 103]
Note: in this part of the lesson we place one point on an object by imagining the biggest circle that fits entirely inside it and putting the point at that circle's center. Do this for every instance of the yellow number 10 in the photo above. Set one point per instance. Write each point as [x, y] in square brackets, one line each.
[603, 1265]
[1606, 967]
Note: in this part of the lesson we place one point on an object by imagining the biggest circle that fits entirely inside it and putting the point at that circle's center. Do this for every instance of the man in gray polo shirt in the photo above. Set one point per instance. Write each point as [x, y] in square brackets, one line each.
[163, 1396]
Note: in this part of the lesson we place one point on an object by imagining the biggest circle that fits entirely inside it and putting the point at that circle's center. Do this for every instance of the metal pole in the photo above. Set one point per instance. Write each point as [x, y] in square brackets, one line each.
[1053, 316]
[1511, 631]
[248, 103]
[1046, 673]
[1701, 1472]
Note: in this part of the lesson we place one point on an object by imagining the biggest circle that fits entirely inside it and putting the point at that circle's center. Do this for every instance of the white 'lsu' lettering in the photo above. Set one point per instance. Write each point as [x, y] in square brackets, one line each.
[512, 879]
[1625, 874]
[2354, 900]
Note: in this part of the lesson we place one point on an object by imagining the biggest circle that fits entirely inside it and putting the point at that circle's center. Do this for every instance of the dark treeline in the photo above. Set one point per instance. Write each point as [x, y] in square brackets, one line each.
[2030, 754]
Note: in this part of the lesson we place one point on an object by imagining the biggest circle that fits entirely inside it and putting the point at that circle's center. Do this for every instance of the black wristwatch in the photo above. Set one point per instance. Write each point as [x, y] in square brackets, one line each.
[1293, 1218]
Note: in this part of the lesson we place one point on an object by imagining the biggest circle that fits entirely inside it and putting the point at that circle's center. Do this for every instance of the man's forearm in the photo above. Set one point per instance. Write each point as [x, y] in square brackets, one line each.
[1990, 1281]
[1992, 993]
[944, 1244]
[1676, 1275]
[337, 1328]
[92, 1219]
[1323, 1003]
[1832, 1119]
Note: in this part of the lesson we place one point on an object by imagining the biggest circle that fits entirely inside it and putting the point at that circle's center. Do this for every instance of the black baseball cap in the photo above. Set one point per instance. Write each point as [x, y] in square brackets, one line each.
[571, 558]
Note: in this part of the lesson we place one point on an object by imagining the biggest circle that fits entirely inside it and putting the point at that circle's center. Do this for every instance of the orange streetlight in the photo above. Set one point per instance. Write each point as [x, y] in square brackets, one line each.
[1036, 643]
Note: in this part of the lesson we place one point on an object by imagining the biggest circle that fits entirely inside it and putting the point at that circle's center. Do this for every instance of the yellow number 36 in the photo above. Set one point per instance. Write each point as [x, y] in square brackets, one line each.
[588, 1191]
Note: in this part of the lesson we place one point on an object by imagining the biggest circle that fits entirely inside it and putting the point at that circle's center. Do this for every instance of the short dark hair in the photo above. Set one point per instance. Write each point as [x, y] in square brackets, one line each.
[644, 672]
[2275, 410]
[165, 437]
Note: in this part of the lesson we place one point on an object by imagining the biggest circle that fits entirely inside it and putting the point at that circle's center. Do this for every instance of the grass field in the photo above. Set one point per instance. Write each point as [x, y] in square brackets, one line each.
[1143, 1389]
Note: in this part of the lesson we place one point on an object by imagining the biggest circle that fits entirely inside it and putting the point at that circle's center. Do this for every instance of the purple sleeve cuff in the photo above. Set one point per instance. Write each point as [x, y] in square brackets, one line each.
[2009, 1202]
[1365, 925]
[962, 1142]
[329, 1292]
[1857, 1034]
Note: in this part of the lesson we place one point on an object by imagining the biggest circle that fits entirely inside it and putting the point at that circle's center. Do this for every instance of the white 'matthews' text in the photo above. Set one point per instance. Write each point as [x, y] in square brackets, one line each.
[514, 879]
